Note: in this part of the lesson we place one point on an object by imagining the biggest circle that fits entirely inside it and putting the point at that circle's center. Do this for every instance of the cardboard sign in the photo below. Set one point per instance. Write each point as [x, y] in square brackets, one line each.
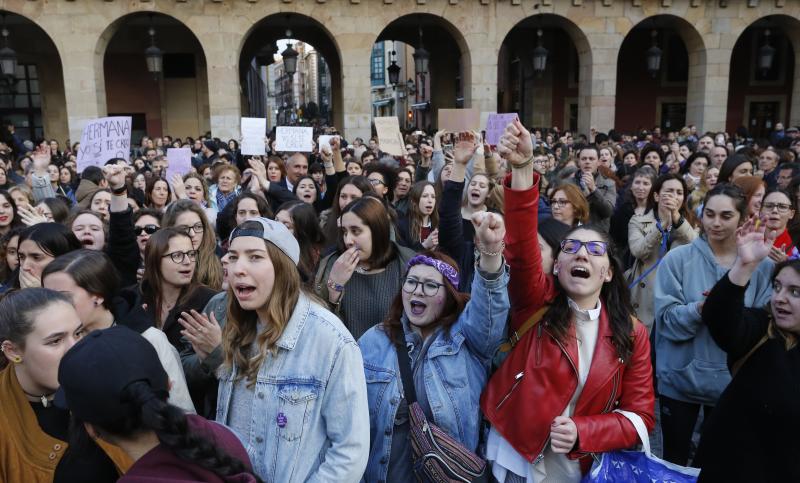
[389, 137]
[496, 125]
[459, 120]
[179, 161]
[294, 139]
[254, 130]
[103, 139]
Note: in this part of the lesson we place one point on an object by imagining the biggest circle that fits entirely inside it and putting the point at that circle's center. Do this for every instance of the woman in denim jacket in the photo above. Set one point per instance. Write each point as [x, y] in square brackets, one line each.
[292, 382]
[451, 340]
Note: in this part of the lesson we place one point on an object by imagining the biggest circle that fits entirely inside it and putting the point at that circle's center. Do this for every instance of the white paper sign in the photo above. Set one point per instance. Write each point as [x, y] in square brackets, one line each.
[254, 130]
[294, 139]
[103, 139]
[179, 162]
[324, 140]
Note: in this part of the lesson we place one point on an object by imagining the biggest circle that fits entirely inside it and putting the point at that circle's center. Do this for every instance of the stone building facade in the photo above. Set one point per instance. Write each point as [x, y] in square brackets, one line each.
[465, 37]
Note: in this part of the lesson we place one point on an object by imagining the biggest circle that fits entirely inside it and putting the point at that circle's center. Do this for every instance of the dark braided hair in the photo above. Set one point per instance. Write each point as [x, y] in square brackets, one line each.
[150, 411]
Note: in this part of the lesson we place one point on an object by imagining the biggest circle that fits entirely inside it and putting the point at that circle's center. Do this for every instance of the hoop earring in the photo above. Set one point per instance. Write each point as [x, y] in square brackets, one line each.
[17, 359]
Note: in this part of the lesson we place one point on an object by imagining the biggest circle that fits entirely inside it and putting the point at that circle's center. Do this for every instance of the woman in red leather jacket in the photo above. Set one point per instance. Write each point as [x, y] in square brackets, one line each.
[570, 384]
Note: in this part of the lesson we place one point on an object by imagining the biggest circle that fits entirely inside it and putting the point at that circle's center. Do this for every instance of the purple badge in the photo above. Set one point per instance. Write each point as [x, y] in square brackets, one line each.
[281, 419]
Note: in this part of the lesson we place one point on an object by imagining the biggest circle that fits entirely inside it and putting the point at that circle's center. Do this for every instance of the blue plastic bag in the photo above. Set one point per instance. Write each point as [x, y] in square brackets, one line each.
[638, 466]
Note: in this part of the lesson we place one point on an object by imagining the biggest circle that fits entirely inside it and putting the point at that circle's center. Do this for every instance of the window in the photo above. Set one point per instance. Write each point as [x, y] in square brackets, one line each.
[21, 102]
[377, 73]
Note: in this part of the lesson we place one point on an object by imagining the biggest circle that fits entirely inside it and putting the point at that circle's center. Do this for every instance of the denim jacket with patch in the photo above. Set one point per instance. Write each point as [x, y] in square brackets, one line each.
[310, 420]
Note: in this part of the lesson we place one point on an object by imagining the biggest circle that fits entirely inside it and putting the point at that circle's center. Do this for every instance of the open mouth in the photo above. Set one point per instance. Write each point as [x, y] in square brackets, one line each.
[579, 272]
[243, 290]
[87, 241]
[417, 307]
[782, 312]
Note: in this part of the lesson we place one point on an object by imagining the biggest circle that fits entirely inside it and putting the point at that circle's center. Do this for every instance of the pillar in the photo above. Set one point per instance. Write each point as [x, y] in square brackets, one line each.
[597, 88]
[356, 103]
[707, 89]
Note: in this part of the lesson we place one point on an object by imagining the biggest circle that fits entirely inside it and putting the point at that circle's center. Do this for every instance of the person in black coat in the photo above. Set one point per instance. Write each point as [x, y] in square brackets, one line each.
[752, 435]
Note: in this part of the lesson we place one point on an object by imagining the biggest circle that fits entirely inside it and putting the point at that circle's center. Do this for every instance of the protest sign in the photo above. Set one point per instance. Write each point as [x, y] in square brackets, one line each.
[389, 137]
[179, 162]
[294, 139]
[254, 130]
[103, 139]
[496, 125]
[324, 140]
[459, 120]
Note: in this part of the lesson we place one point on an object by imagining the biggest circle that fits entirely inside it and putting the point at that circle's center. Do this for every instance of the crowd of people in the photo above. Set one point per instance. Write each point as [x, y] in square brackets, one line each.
[316, 316]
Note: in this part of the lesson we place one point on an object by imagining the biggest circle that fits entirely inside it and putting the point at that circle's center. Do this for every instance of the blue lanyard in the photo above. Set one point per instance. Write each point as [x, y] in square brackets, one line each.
[661, 252]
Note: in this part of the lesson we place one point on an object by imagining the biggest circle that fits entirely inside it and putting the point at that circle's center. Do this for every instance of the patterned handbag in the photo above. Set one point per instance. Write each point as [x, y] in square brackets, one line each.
[438, 457]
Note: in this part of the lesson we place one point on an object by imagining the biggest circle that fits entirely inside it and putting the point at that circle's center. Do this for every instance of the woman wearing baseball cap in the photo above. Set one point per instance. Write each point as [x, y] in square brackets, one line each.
[124, 403]
[292, 382]
[37, 327]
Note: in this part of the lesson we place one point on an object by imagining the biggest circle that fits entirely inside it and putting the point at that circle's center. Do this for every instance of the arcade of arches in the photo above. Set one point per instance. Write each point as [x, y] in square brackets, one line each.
[84, 59]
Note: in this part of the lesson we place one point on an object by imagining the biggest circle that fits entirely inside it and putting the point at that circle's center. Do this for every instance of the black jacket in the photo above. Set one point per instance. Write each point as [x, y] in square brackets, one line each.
[752, 435]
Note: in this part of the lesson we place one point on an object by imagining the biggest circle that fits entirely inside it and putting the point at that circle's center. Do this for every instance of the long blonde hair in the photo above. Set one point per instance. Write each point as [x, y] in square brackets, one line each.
[209, 268]
[241, 328]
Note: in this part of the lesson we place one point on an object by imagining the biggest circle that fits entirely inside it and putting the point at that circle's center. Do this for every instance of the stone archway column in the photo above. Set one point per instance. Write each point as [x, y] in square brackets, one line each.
[480, 78]
[356, 103]
[224, 102]
[597, 88]
[707, 89]
[84, 84]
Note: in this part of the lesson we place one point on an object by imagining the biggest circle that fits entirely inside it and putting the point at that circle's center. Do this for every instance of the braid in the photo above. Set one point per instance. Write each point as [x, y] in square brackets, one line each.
[172, 429]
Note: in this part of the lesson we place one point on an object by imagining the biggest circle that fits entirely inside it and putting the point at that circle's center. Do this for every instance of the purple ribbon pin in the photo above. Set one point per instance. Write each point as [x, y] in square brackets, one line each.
[281, 419]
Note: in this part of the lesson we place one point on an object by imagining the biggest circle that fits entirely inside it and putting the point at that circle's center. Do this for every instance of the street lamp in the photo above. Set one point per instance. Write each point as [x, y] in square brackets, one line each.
[654, 56]
[8, 58]
[421, 57]
[539, 55]
[152, 54]
[394, 73]
[766, 54]
[289, 57]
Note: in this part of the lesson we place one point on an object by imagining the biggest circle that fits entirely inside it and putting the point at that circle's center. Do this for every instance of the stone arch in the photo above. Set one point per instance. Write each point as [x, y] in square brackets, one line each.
[18, 102]
[670, 91]
[747, 89]
[179, 100]
[556, 28]
[266, 30]
[440, 38]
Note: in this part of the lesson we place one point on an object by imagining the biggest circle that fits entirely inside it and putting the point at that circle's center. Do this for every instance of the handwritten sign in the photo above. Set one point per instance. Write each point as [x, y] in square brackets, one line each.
[294, 139]
[459, 120]
[254, 130]
[179, 162]
[496, 125]
[103, 139]
[389, 137]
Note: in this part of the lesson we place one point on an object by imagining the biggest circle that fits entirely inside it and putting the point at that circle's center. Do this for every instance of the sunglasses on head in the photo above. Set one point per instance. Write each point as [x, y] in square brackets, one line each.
[149, 229]
[596, 248]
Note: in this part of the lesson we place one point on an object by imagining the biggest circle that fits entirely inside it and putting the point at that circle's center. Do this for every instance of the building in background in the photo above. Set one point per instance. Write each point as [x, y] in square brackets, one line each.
[579, 64]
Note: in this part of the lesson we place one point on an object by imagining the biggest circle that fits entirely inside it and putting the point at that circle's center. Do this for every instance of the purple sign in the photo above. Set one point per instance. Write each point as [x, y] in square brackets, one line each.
[496, 124]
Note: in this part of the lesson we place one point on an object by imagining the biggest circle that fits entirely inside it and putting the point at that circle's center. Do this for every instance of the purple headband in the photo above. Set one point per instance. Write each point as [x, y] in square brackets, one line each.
[444, 268]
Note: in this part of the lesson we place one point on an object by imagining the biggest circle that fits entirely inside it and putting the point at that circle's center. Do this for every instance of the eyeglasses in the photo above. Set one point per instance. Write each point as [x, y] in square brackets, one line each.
[149, 229]
[560, 203]
[596, 248]
[376, 182]
[197, 228]
[781, 207]
[179, 257]
[429, 289]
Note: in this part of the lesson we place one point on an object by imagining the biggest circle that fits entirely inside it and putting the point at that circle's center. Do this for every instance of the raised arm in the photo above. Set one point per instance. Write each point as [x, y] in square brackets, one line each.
[532, 288]
[735, 328]
[484, 318]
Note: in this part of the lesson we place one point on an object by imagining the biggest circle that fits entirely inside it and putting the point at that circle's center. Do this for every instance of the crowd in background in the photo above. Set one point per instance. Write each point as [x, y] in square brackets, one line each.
[548, 294]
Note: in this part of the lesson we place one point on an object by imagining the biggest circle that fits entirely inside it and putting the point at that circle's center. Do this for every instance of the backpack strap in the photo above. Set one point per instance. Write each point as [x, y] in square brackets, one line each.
[515, 337]
[738, 364]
